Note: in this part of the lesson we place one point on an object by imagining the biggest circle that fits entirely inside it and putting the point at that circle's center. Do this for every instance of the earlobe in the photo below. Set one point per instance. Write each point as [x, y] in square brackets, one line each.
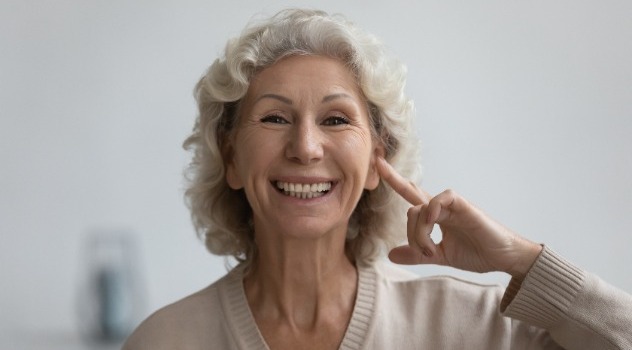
[373, 177]
[232, 178]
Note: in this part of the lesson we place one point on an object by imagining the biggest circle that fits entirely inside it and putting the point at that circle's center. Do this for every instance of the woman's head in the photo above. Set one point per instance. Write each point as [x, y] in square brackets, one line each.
[223, 216]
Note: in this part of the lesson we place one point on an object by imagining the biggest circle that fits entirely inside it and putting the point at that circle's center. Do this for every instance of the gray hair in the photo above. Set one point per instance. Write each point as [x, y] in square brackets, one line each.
[222, 216]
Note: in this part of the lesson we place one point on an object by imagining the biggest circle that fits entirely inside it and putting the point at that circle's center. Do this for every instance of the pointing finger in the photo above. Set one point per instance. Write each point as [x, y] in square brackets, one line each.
[403, 187]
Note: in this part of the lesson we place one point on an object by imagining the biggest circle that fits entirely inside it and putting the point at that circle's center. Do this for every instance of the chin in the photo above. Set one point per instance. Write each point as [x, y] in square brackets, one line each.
[309, 228]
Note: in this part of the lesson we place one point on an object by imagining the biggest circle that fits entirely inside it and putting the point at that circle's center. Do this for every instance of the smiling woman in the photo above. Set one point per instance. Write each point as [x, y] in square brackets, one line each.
[302, 166]
[305, 125]
[242, 89]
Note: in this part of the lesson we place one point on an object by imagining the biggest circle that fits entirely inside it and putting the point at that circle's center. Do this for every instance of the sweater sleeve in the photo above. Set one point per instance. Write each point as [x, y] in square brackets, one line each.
[578, 309]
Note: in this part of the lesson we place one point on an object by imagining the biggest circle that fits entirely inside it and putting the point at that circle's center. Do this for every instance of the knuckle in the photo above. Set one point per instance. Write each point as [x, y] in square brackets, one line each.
[450, 192]
[412, 211]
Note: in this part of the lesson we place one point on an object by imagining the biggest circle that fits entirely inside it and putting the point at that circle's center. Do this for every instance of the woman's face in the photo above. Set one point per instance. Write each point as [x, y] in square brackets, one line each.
[303, 150]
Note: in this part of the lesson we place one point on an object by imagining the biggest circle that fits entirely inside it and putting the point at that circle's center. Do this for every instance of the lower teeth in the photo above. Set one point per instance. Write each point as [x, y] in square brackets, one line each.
[304, 195]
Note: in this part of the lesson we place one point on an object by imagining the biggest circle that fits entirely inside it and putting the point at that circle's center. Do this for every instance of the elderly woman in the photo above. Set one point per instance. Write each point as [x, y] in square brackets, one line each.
[301, 168]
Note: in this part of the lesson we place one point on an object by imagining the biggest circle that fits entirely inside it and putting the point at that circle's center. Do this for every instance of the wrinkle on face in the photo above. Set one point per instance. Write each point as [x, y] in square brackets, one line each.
[304, 93]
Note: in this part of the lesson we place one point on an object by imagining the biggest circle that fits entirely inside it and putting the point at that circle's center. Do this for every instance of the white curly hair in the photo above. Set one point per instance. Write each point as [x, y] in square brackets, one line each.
[222, 216]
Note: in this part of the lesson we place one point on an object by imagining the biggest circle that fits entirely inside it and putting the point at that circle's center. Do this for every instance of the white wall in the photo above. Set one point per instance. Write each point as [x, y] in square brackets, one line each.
[523, 107]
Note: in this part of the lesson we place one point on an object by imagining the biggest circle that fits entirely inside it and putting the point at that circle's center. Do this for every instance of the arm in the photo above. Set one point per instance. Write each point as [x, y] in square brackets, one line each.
[576, 308]
[579, 310]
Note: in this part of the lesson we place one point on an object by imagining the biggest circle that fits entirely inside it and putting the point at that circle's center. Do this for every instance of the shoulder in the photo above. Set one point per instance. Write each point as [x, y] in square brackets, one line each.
[440, 310]
[446, 312]
[184, 324]
[403, 287]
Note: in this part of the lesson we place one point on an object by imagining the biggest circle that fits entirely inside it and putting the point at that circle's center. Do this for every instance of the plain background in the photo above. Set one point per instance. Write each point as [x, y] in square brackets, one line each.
[524, 107]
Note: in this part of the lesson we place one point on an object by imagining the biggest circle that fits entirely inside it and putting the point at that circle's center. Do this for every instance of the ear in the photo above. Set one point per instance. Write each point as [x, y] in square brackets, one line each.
[373, 177]
[232, 175]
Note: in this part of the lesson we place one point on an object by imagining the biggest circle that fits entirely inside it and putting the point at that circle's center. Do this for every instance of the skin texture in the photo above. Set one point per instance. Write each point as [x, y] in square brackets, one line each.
[303, 121]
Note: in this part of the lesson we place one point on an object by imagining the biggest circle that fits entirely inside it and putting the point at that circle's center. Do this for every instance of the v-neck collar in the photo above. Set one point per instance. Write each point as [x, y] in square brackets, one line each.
[243, 327]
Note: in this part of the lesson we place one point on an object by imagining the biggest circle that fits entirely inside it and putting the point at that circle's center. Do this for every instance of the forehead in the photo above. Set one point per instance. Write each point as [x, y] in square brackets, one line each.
[311, 74]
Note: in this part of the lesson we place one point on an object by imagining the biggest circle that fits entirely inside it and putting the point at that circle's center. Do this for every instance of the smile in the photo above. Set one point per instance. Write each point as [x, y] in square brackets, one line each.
[303, 191]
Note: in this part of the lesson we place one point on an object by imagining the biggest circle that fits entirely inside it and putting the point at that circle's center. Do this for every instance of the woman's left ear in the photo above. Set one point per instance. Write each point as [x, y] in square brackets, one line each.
[373, 177]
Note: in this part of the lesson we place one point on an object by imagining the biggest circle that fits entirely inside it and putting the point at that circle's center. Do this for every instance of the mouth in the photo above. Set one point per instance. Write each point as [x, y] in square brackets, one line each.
[303, 191]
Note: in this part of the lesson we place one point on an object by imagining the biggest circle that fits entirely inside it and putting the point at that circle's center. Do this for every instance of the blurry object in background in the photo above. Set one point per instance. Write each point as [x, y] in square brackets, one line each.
[111, 295]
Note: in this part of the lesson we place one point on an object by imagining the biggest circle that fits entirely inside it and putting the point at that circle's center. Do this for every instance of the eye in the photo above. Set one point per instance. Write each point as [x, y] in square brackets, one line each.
[336, 120]
[274, 119]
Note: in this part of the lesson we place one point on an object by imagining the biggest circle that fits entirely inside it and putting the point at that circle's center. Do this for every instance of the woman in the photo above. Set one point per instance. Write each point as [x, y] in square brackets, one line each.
[301, 164]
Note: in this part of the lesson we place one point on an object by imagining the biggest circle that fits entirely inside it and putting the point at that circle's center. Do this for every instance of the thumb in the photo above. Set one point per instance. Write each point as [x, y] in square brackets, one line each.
[405, 255]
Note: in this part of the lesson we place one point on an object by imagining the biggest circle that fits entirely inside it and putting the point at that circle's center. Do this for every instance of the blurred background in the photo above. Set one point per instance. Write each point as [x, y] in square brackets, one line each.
[524, 107]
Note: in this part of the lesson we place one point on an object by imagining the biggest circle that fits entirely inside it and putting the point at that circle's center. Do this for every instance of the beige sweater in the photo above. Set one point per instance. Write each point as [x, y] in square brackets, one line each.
[557, 306]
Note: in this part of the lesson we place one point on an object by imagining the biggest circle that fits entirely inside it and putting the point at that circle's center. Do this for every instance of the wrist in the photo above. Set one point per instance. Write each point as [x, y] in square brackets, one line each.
[528, 254]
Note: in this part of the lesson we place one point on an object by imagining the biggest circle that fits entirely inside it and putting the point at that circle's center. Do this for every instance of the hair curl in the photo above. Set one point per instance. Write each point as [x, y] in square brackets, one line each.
[222, 216]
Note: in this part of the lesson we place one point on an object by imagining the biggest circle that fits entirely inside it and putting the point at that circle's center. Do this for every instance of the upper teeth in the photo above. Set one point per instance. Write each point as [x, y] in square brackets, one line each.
[303, 188]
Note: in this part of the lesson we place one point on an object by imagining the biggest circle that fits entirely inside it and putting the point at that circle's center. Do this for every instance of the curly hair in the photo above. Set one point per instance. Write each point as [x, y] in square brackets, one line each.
[222, 216]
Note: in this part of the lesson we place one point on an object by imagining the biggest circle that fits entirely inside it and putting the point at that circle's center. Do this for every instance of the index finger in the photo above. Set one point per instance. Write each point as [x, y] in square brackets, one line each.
[403, 187]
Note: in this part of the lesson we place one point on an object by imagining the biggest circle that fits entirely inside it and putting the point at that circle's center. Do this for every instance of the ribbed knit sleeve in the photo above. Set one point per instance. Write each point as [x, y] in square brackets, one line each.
[578, 309]
[546, 293]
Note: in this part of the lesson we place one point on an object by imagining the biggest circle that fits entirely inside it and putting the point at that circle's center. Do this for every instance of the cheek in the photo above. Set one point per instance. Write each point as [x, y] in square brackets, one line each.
[369, 154]
[356, 142]
[358, 151]
[251, 154]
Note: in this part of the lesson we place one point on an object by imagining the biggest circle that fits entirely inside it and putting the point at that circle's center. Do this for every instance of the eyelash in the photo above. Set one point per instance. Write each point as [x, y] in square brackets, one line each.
[337, 120]
[329, 121]
[275, 119]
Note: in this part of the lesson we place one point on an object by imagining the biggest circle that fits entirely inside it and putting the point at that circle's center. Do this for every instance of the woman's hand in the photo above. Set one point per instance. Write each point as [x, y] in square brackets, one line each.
[471, 240]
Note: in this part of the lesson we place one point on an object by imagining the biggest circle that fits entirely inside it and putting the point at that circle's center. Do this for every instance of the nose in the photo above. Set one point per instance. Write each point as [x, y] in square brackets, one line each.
[305, 144]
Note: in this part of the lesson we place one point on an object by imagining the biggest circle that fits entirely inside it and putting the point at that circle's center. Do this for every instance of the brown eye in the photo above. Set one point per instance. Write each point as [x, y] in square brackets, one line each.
[274, 119]
[336, 120]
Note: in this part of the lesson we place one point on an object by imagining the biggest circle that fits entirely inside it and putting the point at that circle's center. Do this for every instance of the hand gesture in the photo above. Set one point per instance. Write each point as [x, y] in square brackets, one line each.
[471, 240]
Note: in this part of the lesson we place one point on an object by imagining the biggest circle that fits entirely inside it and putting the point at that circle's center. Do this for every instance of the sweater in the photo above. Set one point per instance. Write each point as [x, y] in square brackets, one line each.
[556, 306]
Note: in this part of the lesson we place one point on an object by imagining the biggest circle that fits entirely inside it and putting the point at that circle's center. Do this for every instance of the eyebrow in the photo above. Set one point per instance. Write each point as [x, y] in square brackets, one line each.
[276, 97]
[288, 101]
[335, 96]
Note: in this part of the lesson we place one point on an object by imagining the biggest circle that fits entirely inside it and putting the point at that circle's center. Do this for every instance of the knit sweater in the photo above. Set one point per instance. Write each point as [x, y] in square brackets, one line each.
[556, 306]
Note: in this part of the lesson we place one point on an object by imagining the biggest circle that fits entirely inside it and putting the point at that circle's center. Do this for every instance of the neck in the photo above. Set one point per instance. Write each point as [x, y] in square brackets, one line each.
[301, 282]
